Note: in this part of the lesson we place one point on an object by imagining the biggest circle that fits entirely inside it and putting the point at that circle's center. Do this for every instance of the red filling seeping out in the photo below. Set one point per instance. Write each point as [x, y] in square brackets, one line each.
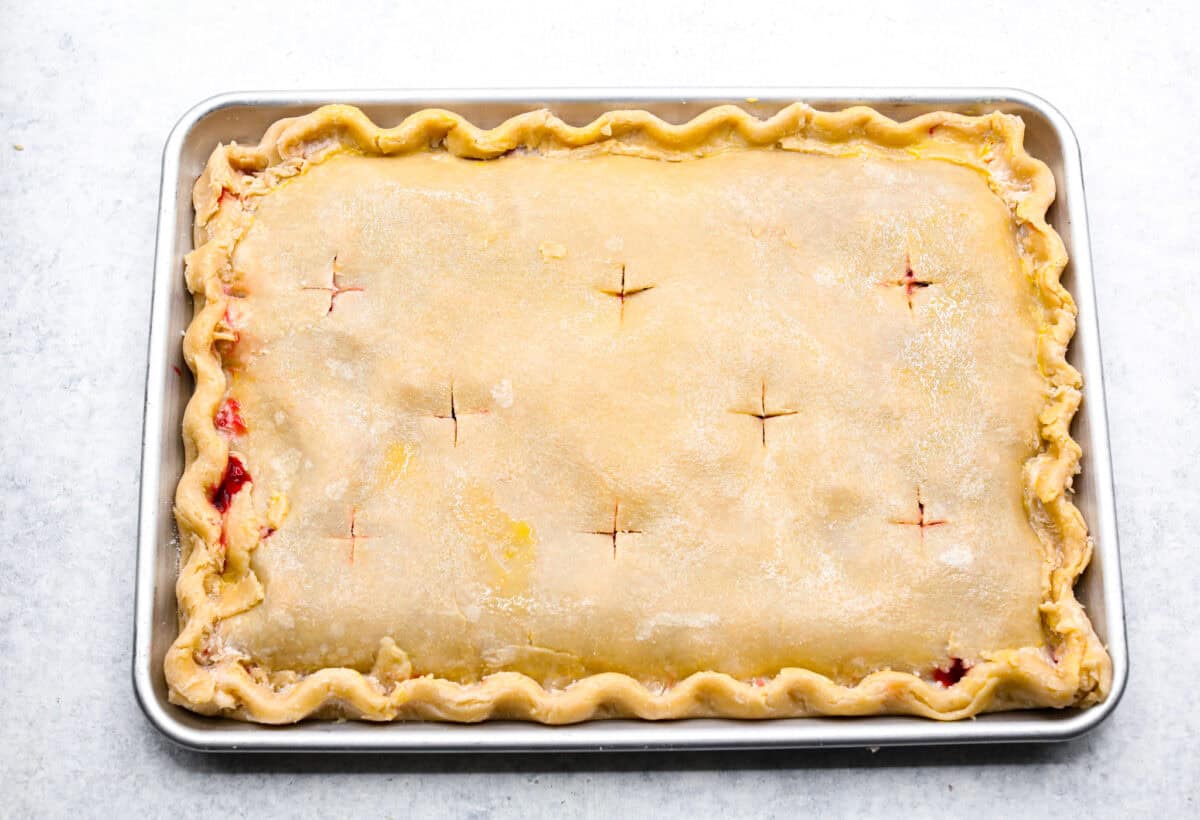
[951, 676]
[229, 418]
[236, 477]
[230, 318]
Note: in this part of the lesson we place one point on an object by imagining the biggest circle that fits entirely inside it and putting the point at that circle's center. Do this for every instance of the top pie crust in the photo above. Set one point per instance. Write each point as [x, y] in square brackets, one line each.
[735, 417]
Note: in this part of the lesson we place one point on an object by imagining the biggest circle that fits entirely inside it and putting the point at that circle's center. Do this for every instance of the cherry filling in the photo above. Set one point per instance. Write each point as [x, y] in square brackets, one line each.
[225, 196]
[236, 476]
[229, 418]
[232, 325]
[951, 676]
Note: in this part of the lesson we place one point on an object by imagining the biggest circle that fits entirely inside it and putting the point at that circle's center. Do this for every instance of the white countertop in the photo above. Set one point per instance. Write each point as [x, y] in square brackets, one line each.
[90, 94]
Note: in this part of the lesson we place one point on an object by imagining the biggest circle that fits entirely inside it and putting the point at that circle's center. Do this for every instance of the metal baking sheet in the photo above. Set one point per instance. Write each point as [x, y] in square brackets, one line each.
[244, 117]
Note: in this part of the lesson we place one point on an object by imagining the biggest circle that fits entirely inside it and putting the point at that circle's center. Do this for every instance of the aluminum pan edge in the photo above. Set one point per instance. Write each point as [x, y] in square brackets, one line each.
[211, 734]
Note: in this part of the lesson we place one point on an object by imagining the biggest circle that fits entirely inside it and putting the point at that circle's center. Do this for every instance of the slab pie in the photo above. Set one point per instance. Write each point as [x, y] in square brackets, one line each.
[735, 417]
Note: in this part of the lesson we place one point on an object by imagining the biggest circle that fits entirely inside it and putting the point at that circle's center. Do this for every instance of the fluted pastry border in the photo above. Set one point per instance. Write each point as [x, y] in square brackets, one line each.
[216, 581]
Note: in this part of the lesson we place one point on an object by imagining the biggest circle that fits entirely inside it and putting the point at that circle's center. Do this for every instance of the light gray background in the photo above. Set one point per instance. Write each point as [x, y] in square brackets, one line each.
[91, 94]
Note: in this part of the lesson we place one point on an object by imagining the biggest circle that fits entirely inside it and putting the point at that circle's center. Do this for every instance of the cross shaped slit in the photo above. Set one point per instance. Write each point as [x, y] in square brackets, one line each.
[616, 529]
[910, 282]
[625, 292]
[335, 289]
[355, 536]
[922, 523]
[455, 412]
[763, 414]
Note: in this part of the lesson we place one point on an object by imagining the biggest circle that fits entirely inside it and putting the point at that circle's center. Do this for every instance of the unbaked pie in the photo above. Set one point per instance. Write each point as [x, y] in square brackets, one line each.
[736, 418]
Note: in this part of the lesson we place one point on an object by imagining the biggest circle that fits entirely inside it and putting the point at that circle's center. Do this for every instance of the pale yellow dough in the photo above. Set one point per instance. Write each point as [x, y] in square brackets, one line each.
[736, 417]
